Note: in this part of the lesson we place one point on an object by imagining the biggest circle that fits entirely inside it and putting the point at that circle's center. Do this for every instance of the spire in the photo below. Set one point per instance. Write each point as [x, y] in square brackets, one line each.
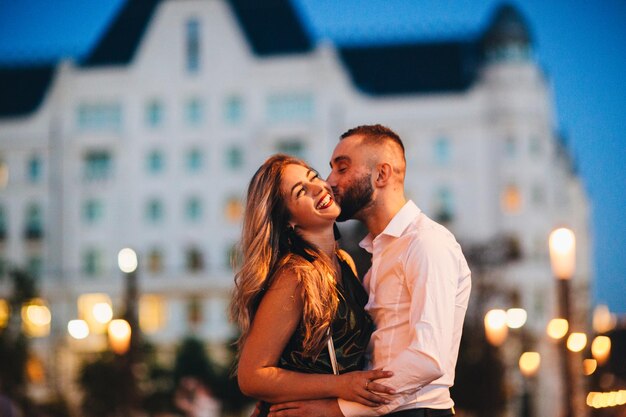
[507, 37]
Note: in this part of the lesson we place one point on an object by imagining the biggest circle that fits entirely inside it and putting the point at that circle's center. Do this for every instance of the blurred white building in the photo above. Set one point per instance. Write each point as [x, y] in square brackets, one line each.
[150, 142]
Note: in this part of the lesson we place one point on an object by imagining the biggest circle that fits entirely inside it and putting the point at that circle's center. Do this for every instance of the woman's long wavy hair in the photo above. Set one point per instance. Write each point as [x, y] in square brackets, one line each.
[269, 247]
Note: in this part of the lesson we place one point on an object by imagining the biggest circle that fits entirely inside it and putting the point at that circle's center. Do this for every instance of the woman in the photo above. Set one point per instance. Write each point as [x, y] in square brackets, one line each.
[294, 289]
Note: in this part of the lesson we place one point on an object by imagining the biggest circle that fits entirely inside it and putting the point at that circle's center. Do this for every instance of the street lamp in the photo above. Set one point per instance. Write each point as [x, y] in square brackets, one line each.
[601, 349]
[528, 365]
[562, 243]
[496, 329]
[124, 334]
[119, 336]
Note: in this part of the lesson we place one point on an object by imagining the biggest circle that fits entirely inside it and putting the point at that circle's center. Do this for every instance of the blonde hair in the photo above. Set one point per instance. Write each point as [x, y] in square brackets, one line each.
[271, 247]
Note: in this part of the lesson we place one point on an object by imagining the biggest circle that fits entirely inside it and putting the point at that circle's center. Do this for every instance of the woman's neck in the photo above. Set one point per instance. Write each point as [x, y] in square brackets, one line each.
[324, 239]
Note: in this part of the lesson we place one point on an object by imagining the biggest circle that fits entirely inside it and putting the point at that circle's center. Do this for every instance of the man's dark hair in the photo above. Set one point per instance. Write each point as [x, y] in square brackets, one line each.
[375, 134]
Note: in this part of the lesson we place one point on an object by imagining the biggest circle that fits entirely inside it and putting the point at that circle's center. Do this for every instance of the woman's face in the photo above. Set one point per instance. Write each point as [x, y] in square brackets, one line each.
[308, 198]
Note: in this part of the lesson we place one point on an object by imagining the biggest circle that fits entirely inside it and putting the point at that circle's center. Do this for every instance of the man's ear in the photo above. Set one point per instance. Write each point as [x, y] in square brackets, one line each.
[383, 174]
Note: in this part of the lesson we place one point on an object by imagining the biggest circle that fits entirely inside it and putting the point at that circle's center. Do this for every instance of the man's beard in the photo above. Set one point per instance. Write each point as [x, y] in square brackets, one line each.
[355, 198]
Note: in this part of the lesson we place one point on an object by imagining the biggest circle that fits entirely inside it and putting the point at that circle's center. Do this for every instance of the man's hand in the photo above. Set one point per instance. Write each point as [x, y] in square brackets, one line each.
[311, 408]
[361, 387]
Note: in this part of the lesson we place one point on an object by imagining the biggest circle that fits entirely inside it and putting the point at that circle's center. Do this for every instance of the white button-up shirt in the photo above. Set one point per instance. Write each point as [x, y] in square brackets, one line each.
[419, 285]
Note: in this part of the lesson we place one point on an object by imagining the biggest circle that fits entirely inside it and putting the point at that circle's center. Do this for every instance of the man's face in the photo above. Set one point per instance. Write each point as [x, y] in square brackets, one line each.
[350, 178]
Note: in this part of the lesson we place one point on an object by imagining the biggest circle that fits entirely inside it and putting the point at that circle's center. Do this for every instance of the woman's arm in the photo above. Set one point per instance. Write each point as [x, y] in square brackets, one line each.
[275, 321]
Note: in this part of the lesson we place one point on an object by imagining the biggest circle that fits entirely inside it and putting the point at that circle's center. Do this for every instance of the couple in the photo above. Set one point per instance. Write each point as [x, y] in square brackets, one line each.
[305, 315]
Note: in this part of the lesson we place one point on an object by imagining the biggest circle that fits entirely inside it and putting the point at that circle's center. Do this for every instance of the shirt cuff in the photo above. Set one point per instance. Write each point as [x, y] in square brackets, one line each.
[352, 409]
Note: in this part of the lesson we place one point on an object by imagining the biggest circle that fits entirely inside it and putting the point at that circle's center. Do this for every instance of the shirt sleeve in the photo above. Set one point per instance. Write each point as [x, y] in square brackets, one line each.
[431, 269]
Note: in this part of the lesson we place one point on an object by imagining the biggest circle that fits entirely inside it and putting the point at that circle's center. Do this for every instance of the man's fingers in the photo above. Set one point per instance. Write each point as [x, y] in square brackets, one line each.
[378, 374]
[375, 399]
[284, 406]
[284, 410]
[376, 387]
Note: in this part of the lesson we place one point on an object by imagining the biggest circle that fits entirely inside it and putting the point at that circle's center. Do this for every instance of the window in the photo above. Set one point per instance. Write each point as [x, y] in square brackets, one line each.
[100, 117]
[156, 162]
[538, 195]
[3, 224]
[233, 256]
[194, 260]
[234, 157]
[194, 160]
[535, 146]
[35, 267]
[511, 199]
[193, 209]
[195, 314]
[4, 174]
[442, 151]
[98, 165]
[233, 211]
[233, 110]
[192, 45]
[34, 222]
[154, 113]
[294, 107]
[152, 313]
[291, 147]
[510, 147]
[92, 263]
[194, 112]
[154, 210]
[155, 261]
[444, 205]
[34, 169]
[95, 308]
[93, 211]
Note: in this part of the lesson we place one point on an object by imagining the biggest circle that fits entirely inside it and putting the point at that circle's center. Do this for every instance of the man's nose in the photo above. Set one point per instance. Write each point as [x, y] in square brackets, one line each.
[331, 180]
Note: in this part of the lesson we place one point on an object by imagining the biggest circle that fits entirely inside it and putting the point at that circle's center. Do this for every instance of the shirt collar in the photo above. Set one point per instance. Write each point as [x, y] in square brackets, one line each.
[396, 226]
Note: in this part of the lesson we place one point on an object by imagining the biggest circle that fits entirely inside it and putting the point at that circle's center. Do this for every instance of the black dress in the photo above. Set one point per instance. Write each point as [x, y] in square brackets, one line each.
[351, 329]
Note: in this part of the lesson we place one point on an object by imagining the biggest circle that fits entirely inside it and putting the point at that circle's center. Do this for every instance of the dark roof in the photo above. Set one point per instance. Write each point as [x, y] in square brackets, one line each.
[412, 68]
[120, 41]
[272, 27]
[22, 89]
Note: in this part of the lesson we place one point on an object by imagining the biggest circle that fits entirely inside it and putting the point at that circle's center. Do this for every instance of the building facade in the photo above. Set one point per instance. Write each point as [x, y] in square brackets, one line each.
[150, 141]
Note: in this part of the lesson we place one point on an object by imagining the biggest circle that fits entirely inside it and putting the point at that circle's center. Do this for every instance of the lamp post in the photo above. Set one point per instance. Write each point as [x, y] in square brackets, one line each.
[562, 245]
[528, 365]
[124, 334]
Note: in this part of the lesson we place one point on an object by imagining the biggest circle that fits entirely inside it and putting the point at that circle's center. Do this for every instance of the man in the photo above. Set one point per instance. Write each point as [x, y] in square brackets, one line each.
[418, 284]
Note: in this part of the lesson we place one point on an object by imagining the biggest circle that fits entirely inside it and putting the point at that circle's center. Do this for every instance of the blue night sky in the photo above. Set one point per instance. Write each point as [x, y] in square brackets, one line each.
[581, 45]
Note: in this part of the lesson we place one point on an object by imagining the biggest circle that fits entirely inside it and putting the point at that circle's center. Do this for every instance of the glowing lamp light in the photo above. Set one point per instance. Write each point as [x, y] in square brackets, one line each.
[589, 366]
[576, 342]
[562, 244]
[102, 312]
[127, 260]
[516, 317]
[4, 313]
[36, 318]
[39, 315]
[603, 320]
[529, 363]
[119, 336]
[78, 329]
[601, 349]
[496, 329]
[557, 328]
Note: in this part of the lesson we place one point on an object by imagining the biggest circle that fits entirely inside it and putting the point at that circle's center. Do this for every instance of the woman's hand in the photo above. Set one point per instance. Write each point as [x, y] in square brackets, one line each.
[359, 386]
